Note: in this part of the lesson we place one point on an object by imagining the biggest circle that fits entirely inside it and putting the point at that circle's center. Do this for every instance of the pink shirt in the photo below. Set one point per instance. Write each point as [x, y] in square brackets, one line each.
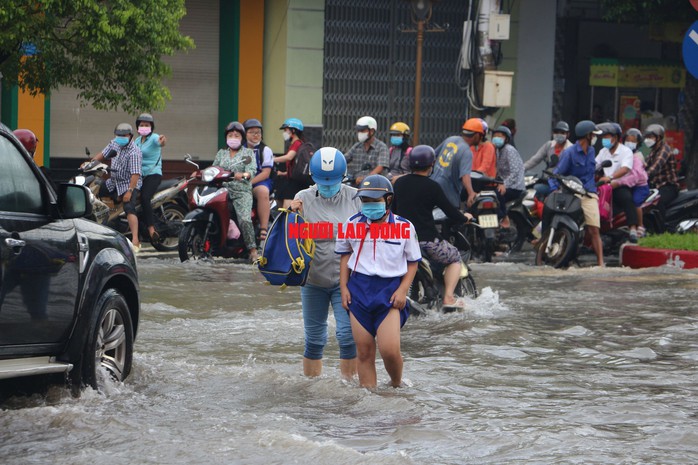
[636, 176]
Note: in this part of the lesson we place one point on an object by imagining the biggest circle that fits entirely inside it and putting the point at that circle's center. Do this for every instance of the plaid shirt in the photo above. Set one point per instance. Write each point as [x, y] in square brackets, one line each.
[661, 166]
[377, 155]
[126, 162]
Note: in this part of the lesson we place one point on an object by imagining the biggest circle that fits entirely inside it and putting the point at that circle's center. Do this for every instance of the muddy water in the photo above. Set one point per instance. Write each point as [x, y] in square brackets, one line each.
[580, 366]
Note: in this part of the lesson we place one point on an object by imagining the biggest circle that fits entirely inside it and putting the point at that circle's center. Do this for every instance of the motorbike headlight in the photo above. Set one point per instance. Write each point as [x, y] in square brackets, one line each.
[210, 173]
[574, 186]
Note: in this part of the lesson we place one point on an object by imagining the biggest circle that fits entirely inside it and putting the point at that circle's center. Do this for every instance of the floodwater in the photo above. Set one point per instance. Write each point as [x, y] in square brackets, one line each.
[586, 365]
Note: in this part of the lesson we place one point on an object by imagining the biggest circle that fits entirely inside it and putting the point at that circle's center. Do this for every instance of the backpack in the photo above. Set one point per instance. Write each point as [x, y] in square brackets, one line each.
[301, 166]
[286, 259]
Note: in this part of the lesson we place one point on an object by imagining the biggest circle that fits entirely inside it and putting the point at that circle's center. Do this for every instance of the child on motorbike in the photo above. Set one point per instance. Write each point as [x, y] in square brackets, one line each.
[327, 201]
[415, 198]
[374, 284]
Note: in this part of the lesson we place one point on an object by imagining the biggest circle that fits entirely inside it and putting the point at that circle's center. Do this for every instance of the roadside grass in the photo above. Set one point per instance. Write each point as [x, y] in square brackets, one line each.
[671, 241]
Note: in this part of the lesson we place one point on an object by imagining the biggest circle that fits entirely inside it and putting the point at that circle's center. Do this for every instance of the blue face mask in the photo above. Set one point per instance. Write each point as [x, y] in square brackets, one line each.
[498, 142]
[121, 140]
[396, 140]
[607, 143]
[373, 210]
[328, 191]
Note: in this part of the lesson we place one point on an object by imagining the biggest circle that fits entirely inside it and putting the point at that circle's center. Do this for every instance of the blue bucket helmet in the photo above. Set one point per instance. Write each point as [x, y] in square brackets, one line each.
[375, 186]
[328, 166]
[293, 123]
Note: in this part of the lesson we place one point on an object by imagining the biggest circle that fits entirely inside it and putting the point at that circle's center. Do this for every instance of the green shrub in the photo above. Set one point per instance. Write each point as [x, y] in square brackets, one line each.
[671, 241]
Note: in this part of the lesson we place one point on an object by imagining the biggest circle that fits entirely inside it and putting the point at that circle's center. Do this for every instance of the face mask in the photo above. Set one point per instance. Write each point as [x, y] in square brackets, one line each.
[593, 140]
[233, 143]
[498, 142]
[121, 140]
[607, 143]
[559, 138]
[650, 143]
[631, 145]
[396, 140]
[362, 136]
[286, 135]
[373, 210]
[328, 191]
[144, 131]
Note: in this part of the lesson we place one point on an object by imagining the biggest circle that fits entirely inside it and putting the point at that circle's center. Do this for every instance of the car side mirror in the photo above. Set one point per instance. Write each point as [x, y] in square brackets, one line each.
[74, 201]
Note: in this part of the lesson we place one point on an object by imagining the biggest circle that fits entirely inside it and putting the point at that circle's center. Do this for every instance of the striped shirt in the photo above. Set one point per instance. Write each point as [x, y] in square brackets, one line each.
[358, 158]
[125, 163]
[661, 166]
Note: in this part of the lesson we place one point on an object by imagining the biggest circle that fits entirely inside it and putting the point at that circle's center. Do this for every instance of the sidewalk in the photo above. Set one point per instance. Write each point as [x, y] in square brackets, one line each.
[634, 256]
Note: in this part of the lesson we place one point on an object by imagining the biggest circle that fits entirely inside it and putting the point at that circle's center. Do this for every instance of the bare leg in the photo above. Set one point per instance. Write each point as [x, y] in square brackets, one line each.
[261, 193]
[451, 276]
[596, 244]
[312, 368]
[366, 354]
[133, 226]
[348, 368]
[639, 217]
[388, 338]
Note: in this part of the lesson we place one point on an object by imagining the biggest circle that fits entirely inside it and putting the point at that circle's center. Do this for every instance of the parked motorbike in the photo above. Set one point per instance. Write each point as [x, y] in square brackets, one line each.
[206, 227]
[168, 213]
[684, 207]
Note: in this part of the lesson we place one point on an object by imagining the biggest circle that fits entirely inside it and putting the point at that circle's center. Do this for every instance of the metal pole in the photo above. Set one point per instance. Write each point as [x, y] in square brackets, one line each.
[418, 82]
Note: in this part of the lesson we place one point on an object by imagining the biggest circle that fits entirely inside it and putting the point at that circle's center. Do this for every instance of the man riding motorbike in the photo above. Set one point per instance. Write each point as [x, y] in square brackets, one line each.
[125, 182]
[367, 152]
[549, 153]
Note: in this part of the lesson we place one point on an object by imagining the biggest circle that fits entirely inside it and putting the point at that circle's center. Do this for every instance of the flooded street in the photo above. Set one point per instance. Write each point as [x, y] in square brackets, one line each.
[586, 365]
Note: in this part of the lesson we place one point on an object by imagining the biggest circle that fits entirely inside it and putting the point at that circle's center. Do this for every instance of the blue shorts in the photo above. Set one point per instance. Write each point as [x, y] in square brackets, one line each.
[370, 300]
[640, 193]
[267, 182]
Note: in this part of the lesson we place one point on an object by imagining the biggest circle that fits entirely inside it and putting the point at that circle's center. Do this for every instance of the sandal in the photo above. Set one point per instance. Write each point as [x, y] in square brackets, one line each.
[641, 231]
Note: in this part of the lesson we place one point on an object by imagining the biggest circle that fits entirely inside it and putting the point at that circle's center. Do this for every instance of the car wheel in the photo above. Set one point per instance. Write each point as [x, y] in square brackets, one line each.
[109, 345]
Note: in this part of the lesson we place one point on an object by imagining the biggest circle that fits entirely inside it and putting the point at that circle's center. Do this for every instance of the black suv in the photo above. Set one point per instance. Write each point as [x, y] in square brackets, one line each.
[69, 295]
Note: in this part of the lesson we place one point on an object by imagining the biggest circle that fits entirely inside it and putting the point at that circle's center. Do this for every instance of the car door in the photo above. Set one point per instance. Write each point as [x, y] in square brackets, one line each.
[38, 256]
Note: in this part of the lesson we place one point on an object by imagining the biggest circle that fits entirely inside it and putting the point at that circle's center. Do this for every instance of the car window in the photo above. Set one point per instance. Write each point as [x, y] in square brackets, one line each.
[20, 190]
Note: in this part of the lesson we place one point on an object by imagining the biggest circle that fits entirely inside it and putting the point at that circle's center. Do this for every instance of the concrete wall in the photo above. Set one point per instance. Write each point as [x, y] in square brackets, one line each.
[534, 74]
[293, 65]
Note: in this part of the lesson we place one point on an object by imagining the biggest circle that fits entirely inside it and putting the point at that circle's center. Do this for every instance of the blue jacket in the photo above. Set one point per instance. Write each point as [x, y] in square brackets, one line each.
[574, 162]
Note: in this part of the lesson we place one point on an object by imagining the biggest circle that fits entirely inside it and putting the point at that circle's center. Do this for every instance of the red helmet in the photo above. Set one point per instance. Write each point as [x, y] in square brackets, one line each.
[27, 138]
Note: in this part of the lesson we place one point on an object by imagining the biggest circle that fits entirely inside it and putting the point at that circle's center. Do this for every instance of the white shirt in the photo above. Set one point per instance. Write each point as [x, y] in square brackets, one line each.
[622, 157]
[384, 255]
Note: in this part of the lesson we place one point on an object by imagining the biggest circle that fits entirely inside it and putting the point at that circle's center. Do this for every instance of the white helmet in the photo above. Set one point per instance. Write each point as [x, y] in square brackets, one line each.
[366, 122]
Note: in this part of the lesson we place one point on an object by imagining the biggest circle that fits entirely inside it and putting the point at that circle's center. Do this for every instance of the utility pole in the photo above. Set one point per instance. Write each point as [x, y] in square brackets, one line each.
[421, 14]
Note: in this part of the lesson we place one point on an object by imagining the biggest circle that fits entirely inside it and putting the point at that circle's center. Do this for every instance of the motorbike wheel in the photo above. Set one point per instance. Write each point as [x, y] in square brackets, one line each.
[466, 287]
[171, 219]
[564, 249]
[191, 242]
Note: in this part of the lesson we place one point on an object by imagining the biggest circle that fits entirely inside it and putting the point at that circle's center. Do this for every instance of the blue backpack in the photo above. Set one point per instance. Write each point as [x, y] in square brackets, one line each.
[285, 260]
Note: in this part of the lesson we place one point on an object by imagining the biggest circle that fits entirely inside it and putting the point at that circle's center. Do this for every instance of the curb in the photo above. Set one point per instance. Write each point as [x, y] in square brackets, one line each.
[634, 256]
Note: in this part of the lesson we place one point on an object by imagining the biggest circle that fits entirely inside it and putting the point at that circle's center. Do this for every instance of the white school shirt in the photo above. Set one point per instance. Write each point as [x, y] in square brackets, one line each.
[622, 157]
[387, 258]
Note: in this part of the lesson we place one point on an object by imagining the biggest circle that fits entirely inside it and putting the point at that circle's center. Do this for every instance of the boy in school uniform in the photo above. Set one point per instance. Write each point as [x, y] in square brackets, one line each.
[377, 267]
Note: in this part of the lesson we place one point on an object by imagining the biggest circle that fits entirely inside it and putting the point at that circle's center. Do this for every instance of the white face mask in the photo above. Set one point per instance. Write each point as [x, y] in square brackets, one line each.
[362, 136]
[650, 143]
[286, 135]
[593, 140]
[631, 145]
[559, 138]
